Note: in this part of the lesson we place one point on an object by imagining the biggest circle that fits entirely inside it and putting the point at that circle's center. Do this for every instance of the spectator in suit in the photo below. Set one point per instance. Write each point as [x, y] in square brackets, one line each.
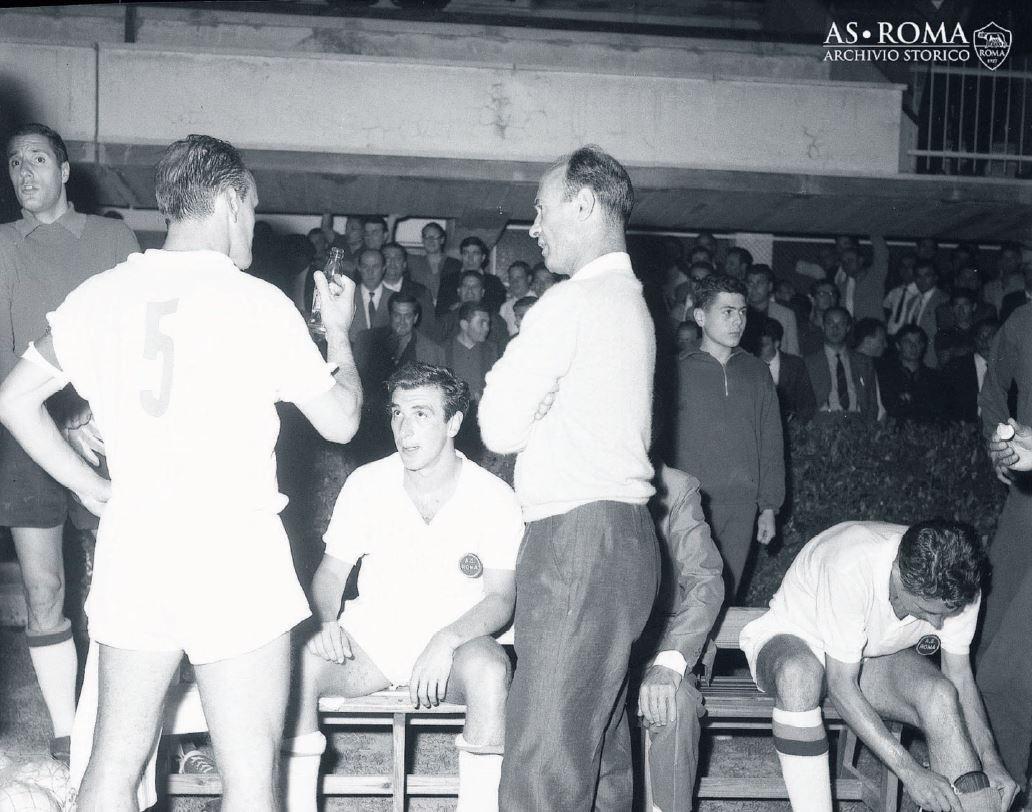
[370, 301]
[737, 262]
[862, 287]
[922, 310]
[843, 381]
[690, 597]
[1007, 277]
[899, 300]
[964, 375]
[1015, 299]
[474, 253]
[471, 291]
[430, 269]
[811, 332]
[956, 339]
[396, 280]
[519, 286]
[320, 246]
[375, 233]
[541, 279]
[351, 242]
[909, 389]
[759, 283]
[870, 338]
[795, 392]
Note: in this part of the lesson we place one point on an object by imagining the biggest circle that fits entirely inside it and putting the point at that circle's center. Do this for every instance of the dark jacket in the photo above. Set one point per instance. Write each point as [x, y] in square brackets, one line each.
[728, 429]
[795, 392]
[865, 381]
[961, 380]
[908, 395]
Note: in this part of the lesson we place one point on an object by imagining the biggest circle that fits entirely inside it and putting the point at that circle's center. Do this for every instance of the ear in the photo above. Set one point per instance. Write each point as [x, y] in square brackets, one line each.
[233, 202]
[66, 171]
[586, 203]
[455, 423]
[700, 316]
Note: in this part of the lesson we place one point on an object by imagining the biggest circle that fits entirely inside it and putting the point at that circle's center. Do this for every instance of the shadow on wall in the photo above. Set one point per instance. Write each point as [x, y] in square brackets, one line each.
[16, 109]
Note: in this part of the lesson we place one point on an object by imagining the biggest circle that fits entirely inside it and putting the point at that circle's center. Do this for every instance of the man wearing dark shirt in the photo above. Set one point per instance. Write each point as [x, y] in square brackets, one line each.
[909, 389]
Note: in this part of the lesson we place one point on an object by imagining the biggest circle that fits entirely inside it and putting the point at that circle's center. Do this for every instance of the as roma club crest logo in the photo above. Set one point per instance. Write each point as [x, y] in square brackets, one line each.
[471, 566]
[928, 645]
[992, 43]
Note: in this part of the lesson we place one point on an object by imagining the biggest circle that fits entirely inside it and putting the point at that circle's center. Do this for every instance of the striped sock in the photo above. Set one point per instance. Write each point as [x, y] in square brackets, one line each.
[802, 747]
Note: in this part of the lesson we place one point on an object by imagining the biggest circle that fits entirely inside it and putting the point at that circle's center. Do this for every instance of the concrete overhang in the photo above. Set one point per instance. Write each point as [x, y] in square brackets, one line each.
[669, 198]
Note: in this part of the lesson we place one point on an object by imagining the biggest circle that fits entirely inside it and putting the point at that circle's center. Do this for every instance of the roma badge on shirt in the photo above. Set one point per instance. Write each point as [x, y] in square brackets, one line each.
[928, 645]
[471, 566]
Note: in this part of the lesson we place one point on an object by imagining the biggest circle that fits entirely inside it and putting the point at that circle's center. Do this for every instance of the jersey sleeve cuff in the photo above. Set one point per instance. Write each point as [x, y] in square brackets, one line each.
[673, 660]
[34, 356]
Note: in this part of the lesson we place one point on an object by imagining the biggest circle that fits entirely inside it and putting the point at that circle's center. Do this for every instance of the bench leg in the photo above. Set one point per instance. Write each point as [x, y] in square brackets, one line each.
[399, 774]
[647, 771]
[879, 795]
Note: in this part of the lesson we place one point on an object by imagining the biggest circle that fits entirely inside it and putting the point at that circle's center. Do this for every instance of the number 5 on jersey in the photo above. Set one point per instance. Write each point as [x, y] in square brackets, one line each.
[158, 346]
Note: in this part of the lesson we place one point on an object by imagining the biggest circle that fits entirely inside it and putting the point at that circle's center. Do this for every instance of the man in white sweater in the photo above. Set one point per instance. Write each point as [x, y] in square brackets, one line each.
[572, 395]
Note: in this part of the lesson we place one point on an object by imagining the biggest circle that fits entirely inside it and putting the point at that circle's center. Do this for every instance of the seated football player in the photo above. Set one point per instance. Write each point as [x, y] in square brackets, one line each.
[861, 610]
[436, 536]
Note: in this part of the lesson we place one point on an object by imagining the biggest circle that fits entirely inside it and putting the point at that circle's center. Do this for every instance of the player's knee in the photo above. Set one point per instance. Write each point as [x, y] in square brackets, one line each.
[797, 682]
[937, 698]
[44, 596]
[482, 666]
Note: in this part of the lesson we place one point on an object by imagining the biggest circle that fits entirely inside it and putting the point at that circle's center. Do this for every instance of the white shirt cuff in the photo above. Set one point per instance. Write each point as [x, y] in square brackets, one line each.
[674, 660]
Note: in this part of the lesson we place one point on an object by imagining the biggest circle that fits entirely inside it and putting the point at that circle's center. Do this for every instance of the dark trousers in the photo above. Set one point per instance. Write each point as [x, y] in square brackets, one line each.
[674, 752]
[1005, 656]
[733, 526]
[585, 584]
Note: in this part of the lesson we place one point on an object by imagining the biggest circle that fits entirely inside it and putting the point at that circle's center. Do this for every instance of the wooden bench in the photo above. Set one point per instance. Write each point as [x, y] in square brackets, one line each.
[736, 704]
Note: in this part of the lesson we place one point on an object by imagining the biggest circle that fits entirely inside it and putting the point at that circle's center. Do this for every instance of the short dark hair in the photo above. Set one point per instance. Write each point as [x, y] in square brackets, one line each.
[760, 268]
[473, 241]
[707, 290]
[399, 246]
[911, 329]
[943, 560]
[593, 168]
[925, 263]
[415, 374]
[989, 321]
[376, 220]
[377, 251]
[865, 328]
[837, 309]
[743, 254]
[772, 329]
[194, 171]
[467, 309]
[691, 325]
[433, 224]
[524, 302]
[56, 142]
[404, 298]
[520, 264]
[475, 274]
[964, 293]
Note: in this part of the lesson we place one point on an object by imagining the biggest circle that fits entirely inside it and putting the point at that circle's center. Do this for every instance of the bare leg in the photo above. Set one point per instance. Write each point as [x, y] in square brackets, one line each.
[132, 691]
[788, 669]
[480, 677]
[49, 633]
[909, 688]
[245, 699]
[304, 745]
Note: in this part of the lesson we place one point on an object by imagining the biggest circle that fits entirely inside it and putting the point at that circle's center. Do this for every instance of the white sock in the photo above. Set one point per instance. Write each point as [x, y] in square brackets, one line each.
[53, 657]
[802, 746]
[480, 771]
[301, 756]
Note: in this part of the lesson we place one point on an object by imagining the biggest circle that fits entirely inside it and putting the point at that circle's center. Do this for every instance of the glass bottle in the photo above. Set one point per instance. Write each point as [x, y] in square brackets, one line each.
[333, 270]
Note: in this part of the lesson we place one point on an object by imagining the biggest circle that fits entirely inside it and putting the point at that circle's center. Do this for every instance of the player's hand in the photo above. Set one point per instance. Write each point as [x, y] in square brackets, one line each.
[331, 643]
[546, 402]
[429, 681]
[1000, 779]
[86, 441]
[930, 791]
[337, 301]
[766, 527]
[657, 703]
[95, 499]
[1015, 452]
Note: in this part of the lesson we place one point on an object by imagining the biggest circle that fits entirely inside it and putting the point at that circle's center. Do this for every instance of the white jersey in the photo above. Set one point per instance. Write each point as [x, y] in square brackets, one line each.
[418, 577]
[836, 597]
[182, 358]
